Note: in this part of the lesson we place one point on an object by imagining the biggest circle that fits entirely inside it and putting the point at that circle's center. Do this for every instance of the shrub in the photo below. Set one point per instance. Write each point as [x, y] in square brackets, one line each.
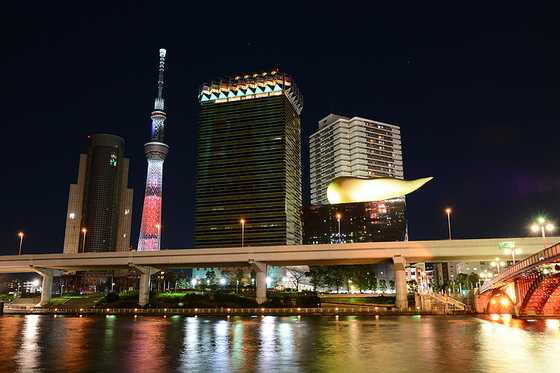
[112, 297]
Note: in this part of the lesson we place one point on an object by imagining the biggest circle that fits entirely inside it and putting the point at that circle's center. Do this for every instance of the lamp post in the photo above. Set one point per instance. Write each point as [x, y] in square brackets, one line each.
[497, 263]
[541, 224]
[20, 234]
[448, 221]
[84, 241]
[338, 219]
[242, 231]
[513, 251]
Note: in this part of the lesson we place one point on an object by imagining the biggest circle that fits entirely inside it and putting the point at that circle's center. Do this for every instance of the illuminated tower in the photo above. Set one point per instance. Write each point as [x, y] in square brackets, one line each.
[156, 151]
[249, 162]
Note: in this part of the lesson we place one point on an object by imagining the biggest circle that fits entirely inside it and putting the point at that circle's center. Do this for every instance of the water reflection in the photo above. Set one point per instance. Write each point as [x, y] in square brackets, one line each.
[280, 344]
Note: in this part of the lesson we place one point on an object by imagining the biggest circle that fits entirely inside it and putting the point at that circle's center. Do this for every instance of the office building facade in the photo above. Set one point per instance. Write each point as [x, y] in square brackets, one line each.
[249, 162]
[100, 204]
[355, 147]
[375, 221]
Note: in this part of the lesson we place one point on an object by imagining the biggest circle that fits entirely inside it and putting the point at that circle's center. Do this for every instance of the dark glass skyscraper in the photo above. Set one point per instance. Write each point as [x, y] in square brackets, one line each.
[357, 222]
[249, 162]
[100, 204]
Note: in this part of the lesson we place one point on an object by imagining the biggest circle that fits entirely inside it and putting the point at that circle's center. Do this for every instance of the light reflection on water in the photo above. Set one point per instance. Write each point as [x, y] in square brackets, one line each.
[36, 343]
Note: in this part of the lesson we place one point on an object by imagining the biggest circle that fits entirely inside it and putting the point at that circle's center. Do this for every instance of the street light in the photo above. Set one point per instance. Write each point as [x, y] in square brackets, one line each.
[513, 251]
[84, 241]
[541, 224]
[497, 263]
[20, 234]
[242, 231]
[448, 221]
[338, 219]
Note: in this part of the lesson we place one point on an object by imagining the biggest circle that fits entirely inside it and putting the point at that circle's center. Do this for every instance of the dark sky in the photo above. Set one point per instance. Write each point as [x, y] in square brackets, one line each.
[474, 87]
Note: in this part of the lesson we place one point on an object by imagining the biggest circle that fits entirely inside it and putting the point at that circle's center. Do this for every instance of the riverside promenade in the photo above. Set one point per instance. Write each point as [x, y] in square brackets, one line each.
[167, 312]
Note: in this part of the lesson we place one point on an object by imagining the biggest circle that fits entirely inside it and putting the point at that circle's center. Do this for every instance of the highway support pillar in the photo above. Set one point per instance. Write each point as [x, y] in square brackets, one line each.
[47, 274]
[260, 269]
[401, 301]
[144, 287]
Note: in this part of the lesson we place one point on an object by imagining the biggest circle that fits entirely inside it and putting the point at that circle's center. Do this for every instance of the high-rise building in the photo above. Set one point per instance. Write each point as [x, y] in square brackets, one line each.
[374, 221]
[156, 151]
[352, 147]
[249, 161]
[100, 204]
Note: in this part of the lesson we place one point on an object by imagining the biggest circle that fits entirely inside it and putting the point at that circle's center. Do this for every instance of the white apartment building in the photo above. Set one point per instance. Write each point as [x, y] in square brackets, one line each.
[352, 147]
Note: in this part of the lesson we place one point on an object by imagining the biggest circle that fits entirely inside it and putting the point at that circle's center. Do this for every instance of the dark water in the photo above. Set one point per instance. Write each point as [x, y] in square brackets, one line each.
[37, 343]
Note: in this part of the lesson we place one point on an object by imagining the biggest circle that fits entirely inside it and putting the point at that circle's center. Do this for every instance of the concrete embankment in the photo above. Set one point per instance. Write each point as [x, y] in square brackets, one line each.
[330, 311]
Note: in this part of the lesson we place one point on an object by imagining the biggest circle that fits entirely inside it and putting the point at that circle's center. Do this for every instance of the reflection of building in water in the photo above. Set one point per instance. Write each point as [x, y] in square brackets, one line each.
[359, 222]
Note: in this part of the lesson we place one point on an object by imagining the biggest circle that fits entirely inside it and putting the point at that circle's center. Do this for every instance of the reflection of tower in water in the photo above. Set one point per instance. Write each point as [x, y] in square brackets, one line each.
[156, 152]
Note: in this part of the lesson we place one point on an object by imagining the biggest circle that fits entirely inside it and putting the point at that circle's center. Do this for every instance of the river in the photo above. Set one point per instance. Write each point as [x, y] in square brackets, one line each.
[40, 343]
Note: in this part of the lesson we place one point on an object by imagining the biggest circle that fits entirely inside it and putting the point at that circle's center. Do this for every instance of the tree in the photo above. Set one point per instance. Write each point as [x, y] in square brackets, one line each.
[297, 273]
[412, 286]
[334, 277]
[317, 276]
[472, 279]
[383, 285]
[182, 282]
[461, 279]
[392, 285]
[359, 275]
[373, 283]
[211, 277]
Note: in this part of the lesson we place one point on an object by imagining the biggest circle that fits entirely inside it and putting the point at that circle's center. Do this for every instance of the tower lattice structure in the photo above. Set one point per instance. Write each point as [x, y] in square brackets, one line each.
[156, 151]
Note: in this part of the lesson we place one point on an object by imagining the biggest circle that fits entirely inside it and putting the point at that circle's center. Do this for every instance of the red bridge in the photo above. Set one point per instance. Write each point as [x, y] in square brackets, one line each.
[530, 287]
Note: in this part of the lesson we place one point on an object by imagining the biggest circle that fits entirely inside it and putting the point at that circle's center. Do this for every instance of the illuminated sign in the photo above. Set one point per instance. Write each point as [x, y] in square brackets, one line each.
[506, 245]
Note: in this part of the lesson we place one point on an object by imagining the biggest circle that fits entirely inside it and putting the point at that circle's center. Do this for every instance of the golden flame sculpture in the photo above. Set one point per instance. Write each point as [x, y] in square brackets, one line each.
[353, 189]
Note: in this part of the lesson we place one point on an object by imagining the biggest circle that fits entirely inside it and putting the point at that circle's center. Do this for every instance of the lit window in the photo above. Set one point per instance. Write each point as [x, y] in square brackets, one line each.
[72, 215]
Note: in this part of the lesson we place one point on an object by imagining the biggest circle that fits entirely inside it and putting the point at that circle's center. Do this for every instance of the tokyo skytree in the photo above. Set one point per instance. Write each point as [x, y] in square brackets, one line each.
[156, 150]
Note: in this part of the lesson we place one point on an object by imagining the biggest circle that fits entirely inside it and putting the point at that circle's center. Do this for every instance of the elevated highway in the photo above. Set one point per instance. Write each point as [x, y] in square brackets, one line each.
[149, 262]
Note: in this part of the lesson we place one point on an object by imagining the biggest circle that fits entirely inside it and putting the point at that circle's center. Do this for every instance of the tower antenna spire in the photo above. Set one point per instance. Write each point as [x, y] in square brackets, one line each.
[162, 53]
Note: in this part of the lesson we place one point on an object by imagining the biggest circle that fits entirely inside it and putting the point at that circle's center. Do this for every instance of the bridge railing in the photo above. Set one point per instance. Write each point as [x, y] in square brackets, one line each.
[542, 257]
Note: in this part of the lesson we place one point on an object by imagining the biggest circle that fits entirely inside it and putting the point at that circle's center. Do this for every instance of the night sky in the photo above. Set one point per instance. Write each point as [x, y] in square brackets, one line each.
[474, 87]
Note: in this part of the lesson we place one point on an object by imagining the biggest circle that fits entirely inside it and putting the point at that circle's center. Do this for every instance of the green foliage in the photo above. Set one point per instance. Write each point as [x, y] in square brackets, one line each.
[168, 298]
[383, 285]
[211, 277]
[362, 276]
[472, 279]
[392, 285]
[317, 275]
[112, 297]
[311, 301]
[412, 286]
[461, 278]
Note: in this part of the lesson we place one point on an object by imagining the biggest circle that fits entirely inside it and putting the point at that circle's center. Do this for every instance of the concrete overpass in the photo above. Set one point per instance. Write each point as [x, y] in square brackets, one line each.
[147, 263]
